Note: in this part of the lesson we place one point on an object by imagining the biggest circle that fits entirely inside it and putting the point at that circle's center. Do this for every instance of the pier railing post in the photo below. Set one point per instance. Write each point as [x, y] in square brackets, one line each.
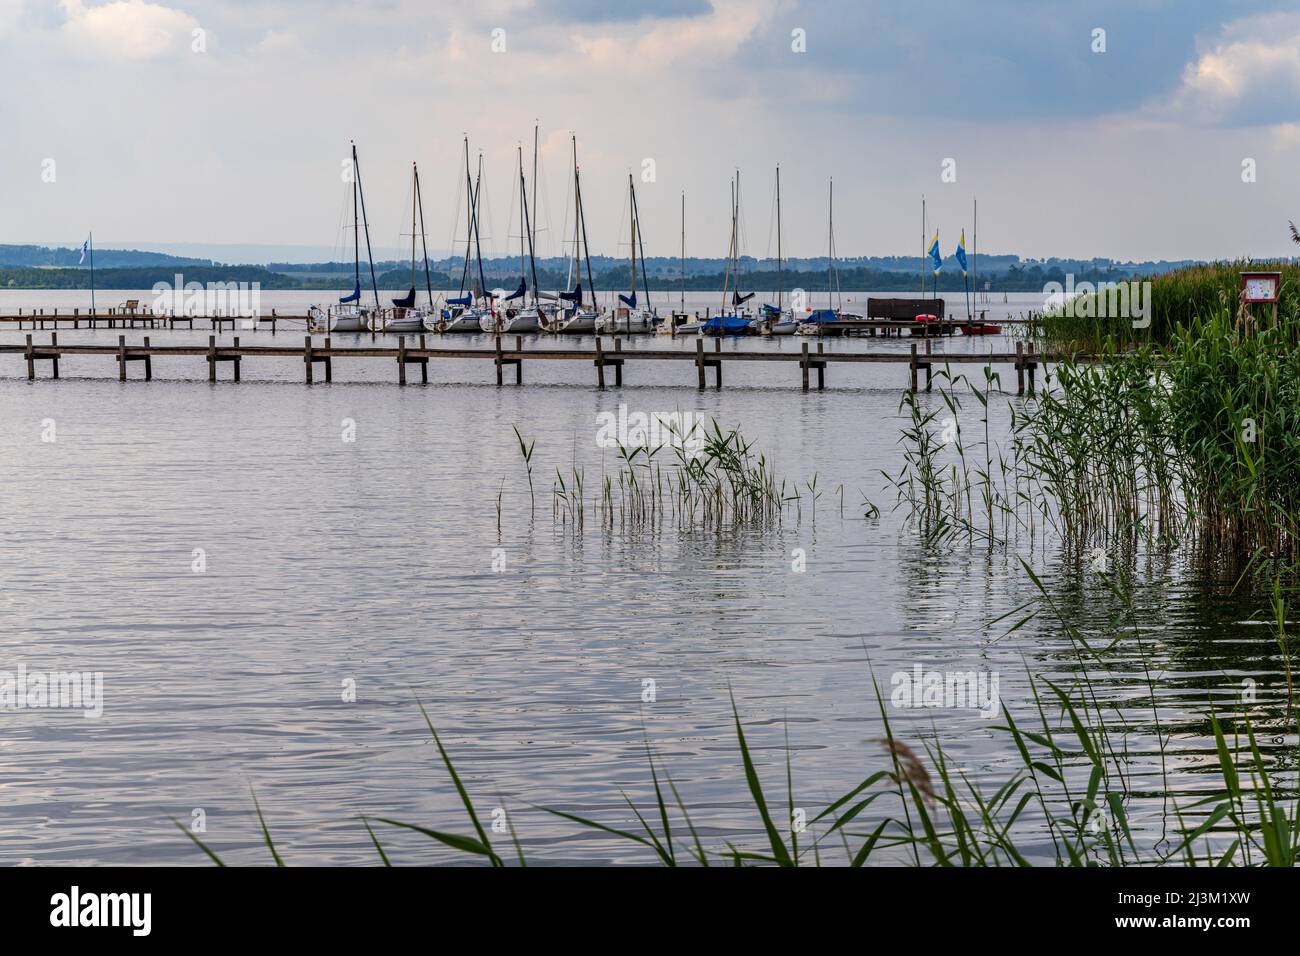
[600, 365]
[401, 360]
[618, 368]
[1020, 368]
[212, 358]
[821, 370]
[929, 366]
[148, 361]
[237, 358]
[717, 369]
[54, 353]
[121, 358]
[912, 367]
[31, 360]
[329, 360]
[306, 357]
[497, 342]
[699, 360]
[803, 365]
[519, 363]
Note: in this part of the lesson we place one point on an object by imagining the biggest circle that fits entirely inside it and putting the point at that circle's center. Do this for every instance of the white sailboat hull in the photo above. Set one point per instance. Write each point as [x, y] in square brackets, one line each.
[529, 320]
[582, 323]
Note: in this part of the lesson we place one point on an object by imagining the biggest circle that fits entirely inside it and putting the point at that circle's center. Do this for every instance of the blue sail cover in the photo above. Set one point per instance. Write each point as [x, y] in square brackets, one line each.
[725, 325]
[629, 301]
[771, 309]
[407, 301]
[821, 315]
[463, 300]
[738, 299]
[355, 296]
[574, 296]
[518, 293]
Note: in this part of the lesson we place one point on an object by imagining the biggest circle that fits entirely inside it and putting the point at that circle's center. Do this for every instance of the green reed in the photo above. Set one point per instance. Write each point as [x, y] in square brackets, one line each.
[1178, 299]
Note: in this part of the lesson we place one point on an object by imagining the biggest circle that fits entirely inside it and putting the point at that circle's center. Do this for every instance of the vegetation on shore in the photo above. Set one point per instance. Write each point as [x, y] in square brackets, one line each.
[1178, 300]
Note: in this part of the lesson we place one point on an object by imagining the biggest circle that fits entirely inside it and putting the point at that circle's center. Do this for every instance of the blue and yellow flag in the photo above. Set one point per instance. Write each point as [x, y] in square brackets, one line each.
[935, 257]
[961, 252]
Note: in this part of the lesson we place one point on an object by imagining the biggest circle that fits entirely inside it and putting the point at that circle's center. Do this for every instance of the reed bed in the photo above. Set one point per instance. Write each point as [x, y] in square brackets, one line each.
[715, 481]
[1195, 444]
[1178, 300]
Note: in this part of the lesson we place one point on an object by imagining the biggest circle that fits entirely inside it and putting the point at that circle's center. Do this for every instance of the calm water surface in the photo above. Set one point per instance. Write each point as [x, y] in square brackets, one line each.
[371, 561]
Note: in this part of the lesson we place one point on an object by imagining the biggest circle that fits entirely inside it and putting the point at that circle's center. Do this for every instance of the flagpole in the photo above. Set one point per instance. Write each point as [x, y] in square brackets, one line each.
[91, 243]
[923, 245]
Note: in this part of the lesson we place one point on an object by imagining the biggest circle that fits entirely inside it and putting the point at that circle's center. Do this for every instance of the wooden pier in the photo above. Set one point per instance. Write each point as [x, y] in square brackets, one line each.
[1025, 360]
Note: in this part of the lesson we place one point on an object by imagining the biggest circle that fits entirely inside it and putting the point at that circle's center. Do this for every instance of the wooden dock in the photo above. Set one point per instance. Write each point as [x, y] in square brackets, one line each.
[1025, 360]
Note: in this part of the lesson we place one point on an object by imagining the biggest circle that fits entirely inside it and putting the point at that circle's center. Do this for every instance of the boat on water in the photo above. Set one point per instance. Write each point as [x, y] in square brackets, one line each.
[981, 328]
[627, 318]
[774, 319]
[812, 321]
[465, 312]
[576, 318]
[405, 315]
[348, 315]
[737, 321]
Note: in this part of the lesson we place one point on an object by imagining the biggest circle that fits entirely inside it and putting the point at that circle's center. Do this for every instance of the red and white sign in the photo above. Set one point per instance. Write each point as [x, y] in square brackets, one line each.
[1260, 286]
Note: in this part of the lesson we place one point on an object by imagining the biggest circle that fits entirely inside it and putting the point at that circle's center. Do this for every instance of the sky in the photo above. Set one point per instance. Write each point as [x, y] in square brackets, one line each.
[1133, 129]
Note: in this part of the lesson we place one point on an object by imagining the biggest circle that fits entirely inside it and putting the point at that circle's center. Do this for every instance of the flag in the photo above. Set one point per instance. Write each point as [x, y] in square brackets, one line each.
[84, 247]
[934, 253]
[961, 252]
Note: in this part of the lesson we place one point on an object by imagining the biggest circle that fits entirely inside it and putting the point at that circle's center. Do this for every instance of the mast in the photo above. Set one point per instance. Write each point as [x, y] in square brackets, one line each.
[575, 271]
[469, 220]
[631, 215]
[90, 242]
[779, 292]
[478, 246]
[414, 189]
[523, 202]
[356, 225]
[424, 242]
[361, 194]
[975, 253]
[528, 228]
[645, 282]
[830, 242]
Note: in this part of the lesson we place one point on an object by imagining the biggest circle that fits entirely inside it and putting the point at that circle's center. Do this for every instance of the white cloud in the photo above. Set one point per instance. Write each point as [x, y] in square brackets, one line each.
[1248, 75]
[129, 29]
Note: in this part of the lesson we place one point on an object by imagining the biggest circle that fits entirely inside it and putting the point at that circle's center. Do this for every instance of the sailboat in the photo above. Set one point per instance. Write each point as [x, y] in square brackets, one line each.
[776, 320]
[735, 322]
[626, 317]
[405, 316]
[811, 324]
[578, 319]
[460, 313]
[349, 315]
[528, 319]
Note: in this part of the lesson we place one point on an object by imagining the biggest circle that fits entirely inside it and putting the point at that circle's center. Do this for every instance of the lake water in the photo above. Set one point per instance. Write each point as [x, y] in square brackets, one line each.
[331, 564]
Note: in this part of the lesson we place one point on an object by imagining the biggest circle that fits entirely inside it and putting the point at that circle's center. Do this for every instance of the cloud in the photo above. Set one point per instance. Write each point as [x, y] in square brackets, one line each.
[128, 29]
[1249, 75]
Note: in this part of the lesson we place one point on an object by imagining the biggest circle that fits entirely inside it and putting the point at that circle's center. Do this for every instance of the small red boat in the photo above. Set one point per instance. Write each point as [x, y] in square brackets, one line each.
[980, 328]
